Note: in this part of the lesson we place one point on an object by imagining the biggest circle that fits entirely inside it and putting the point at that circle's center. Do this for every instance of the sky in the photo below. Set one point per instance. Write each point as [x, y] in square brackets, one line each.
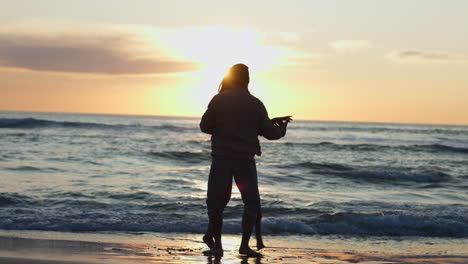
[400, 61]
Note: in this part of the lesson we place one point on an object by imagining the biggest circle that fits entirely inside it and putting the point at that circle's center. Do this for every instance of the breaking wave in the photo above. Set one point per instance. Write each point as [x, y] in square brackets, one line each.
[78, 212]
[29, 123]
[431, 148]
[186, 156]
[396, 224]
[372, 174]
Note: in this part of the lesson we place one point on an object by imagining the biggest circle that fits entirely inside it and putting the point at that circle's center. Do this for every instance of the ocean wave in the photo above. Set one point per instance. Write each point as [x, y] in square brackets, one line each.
[69, 194]
[24, 168]
[372, 174]
[325, 145]
[318, 166]
[431, 148]
[38, 123]
[345, 223]
[186, 156]
[73, 211]
[134, 196]
[393, 224]
[33, 169]
[13, 134]
[376, 128]
[413, 176]
[110, 197]
[443, 148]
[30, 123]
[12, 199]
[77, 204]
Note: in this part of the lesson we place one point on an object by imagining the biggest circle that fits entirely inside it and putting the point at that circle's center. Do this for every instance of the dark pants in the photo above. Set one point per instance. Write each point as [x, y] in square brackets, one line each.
[244, 171]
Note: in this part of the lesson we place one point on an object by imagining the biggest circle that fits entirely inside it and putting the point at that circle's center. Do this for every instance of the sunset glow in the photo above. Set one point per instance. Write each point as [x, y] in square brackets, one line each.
[312, 60]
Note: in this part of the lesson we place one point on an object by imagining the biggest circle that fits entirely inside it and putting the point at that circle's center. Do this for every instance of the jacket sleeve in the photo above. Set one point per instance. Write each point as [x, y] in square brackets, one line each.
[207, 122]
[267, 128]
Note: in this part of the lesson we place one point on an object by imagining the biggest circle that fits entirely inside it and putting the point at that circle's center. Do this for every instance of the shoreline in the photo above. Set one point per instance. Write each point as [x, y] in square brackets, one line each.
[37, 247]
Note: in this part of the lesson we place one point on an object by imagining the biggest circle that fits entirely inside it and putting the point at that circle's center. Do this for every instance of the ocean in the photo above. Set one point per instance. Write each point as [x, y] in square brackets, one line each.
[116, 173]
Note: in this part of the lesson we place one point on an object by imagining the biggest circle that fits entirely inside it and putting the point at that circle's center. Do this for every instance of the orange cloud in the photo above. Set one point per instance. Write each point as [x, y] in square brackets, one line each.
[98, 54]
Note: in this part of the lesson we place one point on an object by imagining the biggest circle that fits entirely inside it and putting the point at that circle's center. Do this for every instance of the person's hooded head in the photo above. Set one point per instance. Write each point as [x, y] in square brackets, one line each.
[236, 78]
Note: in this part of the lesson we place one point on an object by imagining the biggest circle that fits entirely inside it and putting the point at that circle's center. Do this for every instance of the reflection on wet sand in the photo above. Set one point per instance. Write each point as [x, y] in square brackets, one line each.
[158, 248]
[243, 260]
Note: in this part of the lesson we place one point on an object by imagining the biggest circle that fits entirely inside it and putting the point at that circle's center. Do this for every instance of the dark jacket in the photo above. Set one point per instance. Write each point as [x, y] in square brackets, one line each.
[235, 119]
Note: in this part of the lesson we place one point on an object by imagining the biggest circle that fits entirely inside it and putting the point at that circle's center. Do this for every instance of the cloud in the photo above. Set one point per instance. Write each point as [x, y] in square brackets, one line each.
[280, 38]
[108, 49]
[414, 56]
[219, 47]
[111, 53]
[351, 46]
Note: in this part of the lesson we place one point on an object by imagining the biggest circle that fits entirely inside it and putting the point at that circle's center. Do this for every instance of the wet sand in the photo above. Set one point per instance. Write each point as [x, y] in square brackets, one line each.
[68, 248]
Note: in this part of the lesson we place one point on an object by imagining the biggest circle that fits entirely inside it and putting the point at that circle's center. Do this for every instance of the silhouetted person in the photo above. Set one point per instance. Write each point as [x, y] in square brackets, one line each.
[235, 119]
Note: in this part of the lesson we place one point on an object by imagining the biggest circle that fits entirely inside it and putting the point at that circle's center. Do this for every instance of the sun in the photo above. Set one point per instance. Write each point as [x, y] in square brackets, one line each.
[215, 50]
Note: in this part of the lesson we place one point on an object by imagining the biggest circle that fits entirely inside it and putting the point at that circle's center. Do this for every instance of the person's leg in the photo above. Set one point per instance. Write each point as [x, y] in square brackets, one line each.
[245, 174]
[216, 223]
[218, 195]
[258, 229]
[208, 237]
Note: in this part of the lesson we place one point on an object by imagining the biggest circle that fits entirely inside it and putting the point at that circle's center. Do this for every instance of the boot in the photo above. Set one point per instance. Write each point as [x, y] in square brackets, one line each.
[248, 221]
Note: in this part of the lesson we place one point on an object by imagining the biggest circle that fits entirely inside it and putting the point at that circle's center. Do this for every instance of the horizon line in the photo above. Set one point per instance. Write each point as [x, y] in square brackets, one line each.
[182, 116]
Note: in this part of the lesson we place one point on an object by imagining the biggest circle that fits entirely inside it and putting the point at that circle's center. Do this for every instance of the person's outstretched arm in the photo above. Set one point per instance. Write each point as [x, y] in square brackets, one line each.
[207, 122]
[267, 128]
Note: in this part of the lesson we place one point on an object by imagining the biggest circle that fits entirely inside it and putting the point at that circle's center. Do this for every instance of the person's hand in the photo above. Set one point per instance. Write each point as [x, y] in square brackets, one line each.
[284, 120]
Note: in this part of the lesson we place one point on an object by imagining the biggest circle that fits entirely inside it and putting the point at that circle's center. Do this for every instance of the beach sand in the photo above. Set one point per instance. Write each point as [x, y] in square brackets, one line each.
[35, 247]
